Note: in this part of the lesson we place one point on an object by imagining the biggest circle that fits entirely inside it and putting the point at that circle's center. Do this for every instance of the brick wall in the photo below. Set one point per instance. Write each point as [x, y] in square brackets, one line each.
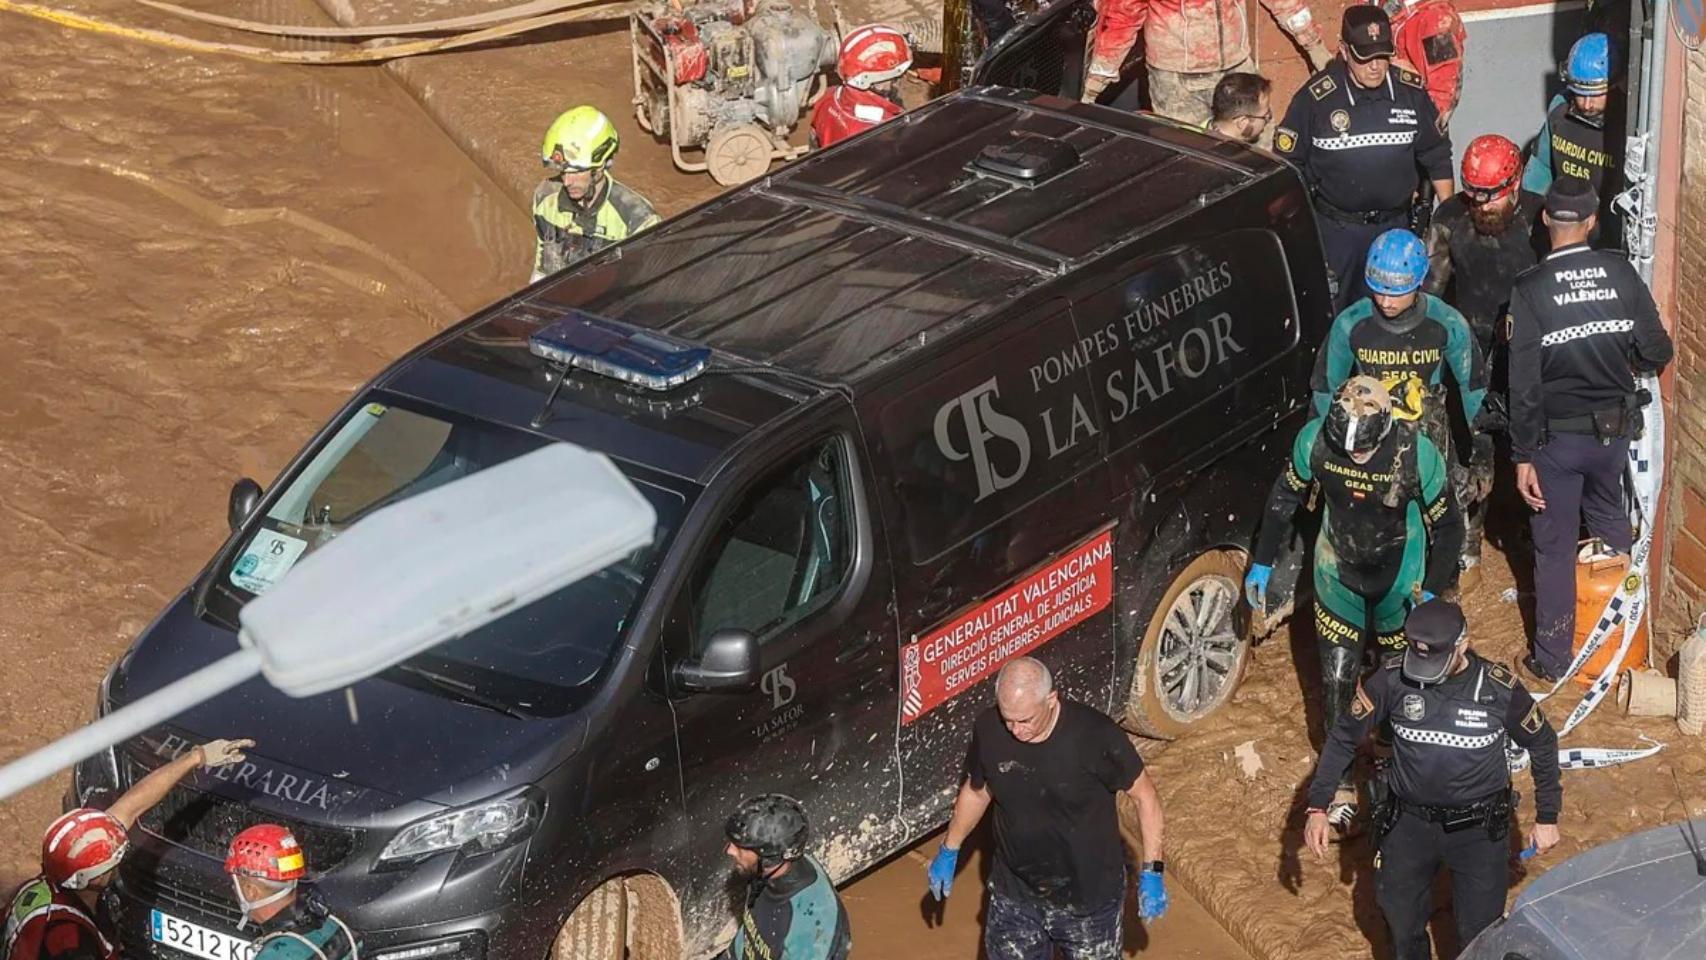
[1683, 594]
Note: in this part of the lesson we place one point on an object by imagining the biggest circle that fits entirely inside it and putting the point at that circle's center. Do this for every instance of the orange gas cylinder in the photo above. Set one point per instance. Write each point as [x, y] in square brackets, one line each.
[1599, 573]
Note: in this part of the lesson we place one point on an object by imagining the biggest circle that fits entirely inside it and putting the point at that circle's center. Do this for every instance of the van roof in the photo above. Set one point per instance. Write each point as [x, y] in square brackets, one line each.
[849, 258]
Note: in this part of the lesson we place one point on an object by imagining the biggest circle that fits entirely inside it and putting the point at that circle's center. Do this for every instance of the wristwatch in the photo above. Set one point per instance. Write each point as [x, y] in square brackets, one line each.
[1152, 866]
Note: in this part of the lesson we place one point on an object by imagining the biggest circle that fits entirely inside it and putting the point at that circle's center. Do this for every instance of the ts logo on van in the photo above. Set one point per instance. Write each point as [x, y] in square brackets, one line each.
[984, 425]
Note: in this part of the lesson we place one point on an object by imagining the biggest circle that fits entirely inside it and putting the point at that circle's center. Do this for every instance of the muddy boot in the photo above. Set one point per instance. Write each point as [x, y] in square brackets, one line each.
[1340, 667]
[1342, 812]
[1469, 574]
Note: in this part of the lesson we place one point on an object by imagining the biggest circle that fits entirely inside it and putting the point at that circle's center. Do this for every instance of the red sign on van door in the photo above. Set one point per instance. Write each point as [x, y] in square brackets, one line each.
[975, 643]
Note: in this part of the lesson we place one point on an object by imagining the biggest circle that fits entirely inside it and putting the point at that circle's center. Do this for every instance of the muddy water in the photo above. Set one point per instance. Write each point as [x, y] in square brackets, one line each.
[199, 259]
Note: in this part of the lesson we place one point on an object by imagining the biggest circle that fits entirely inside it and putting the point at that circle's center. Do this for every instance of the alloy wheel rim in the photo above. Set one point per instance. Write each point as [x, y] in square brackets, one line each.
[1198, 649]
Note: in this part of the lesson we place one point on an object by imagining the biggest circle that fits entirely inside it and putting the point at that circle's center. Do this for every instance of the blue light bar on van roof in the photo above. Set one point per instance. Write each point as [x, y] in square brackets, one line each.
[620, 351]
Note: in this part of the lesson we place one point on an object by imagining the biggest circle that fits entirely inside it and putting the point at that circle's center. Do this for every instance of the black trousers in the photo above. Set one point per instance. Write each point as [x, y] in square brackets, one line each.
[1404, 872]
[1580, 478]
[1346, 247]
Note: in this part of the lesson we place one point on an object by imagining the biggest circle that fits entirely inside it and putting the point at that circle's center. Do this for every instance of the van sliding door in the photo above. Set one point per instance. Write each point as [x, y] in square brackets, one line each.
[998, 520]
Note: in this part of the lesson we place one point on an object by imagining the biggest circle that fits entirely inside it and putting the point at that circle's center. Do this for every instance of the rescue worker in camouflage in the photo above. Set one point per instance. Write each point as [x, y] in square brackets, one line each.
[1390, 536]
[1361, 132]
[266, 865]
[1478, 243]
[1188, 45]
[580, 208]
[1430, 39]
[1405, 339]
[1448, 799]
[1582, 136]
[791, 910]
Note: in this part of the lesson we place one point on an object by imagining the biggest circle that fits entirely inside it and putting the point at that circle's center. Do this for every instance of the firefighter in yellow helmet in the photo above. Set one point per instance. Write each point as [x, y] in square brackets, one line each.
[579, 208]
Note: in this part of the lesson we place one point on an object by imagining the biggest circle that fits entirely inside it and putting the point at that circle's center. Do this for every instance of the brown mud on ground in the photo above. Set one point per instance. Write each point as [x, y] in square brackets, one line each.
[1237, 844]
[201, 259]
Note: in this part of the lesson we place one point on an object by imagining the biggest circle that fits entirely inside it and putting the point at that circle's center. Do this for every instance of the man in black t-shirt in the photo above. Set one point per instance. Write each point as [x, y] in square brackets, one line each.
[1052, 768]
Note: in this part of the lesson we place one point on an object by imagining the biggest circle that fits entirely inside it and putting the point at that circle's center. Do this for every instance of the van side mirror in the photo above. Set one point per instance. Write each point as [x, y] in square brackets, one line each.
[728, 665]
[245, 497]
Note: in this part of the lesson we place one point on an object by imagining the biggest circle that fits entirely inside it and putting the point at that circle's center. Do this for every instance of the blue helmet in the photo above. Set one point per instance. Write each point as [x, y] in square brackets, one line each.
[1588, 71]
[1397, 263]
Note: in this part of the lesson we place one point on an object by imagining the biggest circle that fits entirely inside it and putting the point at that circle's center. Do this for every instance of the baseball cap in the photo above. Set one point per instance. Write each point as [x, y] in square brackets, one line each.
[1431, 633]
[1367, 32]
[1571, 201]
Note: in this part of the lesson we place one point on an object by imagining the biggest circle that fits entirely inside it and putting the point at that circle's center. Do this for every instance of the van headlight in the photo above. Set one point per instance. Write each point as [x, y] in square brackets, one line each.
[478, 828]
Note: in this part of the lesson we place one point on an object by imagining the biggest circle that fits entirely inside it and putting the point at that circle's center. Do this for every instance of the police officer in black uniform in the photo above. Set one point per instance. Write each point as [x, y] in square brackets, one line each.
[1448, 792]
[1581, 324]
[1359, 131]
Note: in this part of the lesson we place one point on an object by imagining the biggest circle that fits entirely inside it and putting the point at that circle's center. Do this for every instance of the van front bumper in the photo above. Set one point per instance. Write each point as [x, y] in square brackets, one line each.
[445, 908]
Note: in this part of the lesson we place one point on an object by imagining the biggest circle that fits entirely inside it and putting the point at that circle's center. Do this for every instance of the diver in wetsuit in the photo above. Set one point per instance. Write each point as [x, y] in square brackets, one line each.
[1390, 536]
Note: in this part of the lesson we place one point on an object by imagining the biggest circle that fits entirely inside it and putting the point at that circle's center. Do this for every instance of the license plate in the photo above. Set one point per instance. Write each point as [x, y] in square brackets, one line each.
[197, 940]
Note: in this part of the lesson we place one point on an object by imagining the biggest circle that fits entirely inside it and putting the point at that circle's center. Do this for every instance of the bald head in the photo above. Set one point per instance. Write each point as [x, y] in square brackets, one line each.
[1024, 694]
[1024, 680]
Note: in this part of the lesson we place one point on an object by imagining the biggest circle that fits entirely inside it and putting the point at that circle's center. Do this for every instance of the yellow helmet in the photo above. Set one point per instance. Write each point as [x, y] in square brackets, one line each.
[581, 139]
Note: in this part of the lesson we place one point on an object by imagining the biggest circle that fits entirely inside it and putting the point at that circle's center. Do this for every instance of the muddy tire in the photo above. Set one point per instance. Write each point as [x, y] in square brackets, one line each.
[598, 929]
[1194, 650]
[738, 154]
[625, 918]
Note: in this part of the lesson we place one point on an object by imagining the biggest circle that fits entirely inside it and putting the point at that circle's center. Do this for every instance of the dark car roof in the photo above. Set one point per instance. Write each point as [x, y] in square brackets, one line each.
[854, 257]
[1642, 896]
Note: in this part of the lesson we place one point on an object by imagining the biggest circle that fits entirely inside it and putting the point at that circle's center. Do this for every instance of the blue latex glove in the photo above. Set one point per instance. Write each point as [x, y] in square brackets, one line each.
[1528, 852]
[1427, 595]
[1256, 585]
[1151, 895]
[942, 872]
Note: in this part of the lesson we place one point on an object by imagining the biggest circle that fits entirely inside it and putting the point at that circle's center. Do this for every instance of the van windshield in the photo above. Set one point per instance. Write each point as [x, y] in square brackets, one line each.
[532, 661]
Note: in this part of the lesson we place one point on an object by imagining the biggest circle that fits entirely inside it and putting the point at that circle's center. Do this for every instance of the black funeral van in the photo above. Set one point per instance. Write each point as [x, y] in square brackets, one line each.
[1006, 375]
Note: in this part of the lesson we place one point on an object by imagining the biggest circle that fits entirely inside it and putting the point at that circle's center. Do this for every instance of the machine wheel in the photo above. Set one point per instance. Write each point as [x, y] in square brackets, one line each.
[625, 918]
[652, 112]
[738, 154]
[1195, 649]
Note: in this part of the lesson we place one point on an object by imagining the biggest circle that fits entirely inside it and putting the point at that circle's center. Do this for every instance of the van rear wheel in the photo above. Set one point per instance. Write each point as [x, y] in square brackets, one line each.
[1195, 649]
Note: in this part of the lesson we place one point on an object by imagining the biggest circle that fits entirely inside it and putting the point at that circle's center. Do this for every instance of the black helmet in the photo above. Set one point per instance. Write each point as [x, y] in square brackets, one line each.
[772, 825]
[1360, 417]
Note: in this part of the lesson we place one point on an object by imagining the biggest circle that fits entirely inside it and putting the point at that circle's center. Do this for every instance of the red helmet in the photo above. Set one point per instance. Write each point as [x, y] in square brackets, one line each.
[1491, 168]
[871, 54]
[82, 845]
[267, 851]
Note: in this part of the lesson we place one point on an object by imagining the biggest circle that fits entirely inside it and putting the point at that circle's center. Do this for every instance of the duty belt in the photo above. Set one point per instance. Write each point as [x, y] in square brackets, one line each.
[1335, 212]
[1581, 424]
[1468, 812]
[1611, 423]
